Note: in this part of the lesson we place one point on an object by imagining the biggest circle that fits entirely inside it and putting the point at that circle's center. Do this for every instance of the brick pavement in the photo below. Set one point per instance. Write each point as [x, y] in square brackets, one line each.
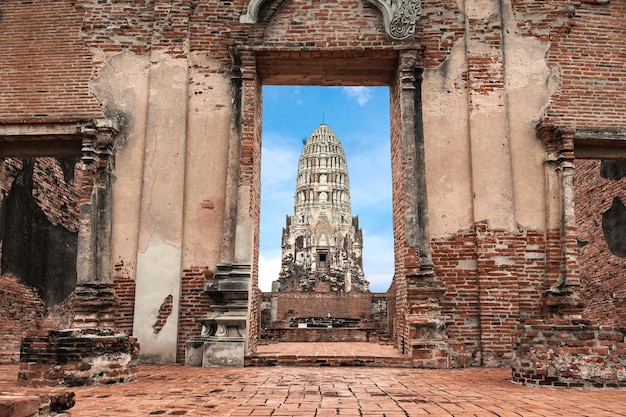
[330, 391]
[322, 392]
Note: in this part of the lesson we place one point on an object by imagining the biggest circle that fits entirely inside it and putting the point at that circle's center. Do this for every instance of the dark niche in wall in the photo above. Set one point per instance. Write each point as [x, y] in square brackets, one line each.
[41, 254]
[613, 169]
[614, 227]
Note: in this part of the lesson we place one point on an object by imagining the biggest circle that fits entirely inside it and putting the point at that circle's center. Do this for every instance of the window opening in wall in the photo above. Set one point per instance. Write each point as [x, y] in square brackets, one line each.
[600, 212]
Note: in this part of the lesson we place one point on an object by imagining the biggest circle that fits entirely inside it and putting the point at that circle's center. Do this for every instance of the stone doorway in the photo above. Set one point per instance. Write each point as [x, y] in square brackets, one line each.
[400, 70]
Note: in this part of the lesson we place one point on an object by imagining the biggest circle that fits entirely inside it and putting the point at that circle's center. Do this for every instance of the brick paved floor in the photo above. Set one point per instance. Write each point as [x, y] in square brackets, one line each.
[330, 391]
[322, 392]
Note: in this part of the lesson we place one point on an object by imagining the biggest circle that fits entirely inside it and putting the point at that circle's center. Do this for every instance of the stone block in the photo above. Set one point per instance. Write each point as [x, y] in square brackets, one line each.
[194, 353]
[223, 353]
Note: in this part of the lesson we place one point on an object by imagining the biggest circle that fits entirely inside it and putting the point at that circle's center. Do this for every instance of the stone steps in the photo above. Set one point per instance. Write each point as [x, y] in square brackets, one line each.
[333, 361]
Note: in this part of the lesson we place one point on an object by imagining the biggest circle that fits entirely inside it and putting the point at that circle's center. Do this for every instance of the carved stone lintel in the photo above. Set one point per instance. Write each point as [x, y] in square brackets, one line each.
[399, 16]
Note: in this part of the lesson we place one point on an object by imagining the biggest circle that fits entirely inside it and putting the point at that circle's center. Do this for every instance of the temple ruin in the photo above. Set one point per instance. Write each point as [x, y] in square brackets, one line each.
[321, 284]
[130, 136]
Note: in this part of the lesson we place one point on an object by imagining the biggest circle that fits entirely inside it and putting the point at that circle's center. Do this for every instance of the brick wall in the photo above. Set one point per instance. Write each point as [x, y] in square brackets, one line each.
[587, 49]
[40, 223]
[369, 309]
[602, 267]
[494, 281]
[399, 330]
[40, 209]
[45, 62]
[21, 309]
[88, 357]
[194, 303]
[576, 355]
[339, 305]
[124, 285]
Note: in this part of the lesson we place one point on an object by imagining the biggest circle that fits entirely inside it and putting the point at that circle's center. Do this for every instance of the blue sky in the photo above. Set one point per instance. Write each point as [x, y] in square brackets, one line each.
[359, 116]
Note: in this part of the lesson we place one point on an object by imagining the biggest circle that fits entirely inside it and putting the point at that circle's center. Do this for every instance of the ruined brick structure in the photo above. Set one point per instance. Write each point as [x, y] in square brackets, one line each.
[495, 107]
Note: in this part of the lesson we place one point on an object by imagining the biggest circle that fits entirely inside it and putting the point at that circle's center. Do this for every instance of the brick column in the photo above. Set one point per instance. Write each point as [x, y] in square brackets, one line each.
[424, 335]
[562, 301]
[230, 328]
[95, 300]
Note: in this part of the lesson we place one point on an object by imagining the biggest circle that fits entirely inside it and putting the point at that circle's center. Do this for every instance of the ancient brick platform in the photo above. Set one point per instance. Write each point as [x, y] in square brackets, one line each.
[77, 357]
[348, 354]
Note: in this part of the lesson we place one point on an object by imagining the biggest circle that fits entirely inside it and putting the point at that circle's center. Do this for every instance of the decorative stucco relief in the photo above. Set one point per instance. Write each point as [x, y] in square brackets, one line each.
[399, 16]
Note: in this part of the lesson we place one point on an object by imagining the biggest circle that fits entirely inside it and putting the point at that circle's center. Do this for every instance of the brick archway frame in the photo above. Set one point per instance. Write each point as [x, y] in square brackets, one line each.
[418, 328]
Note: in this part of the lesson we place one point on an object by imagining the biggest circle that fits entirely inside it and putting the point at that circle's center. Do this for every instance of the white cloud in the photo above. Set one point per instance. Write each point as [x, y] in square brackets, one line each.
[269, 267]
[378, 260]
[360, 94]
[278, 167]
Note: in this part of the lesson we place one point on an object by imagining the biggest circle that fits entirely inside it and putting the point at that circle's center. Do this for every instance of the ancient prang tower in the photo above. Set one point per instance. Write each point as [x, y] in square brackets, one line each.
[322, 243]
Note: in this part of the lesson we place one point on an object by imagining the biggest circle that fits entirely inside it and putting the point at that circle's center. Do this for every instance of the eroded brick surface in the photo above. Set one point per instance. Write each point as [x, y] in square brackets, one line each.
[284, 391]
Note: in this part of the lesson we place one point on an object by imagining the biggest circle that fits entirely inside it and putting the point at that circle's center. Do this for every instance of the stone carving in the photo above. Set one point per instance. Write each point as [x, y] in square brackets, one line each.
[405, 13]
[399, 16]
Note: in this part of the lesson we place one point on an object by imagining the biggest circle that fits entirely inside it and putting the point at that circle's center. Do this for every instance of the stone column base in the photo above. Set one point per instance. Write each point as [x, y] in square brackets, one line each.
[77, 357]
[214, 352]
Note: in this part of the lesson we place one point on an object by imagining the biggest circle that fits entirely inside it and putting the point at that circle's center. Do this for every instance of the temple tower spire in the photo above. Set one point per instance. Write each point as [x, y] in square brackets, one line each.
[322, 242]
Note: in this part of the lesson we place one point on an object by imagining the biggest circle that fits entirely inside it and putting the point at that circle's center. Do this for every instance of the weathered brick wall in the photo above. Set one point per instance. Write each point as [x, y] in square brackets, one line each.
[600, 188]
[39, 222]
[340, 305]
[369, 308]
[489, 292]
[587, 44]
[399, 330]
[21, 309]
[380, 302]
[569, 356]
[46, 66]
[89, 357]
[194, 303]
[124, 285]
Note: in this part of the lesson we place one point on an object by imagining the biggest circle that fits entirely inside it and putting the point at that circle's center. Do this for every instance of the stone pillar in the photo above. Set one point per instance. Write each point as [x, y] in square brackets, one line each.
[562, 301]
[427, 338]
[91, 353]
[95, 300]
